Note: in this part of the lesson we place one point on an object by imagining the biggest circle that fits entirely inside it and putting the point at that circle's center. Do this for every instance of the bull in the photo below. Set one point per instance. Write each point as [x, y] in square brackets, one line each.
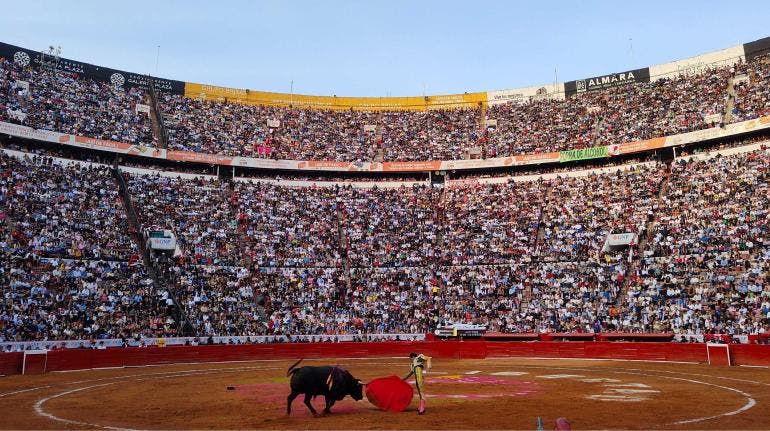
[334, 383]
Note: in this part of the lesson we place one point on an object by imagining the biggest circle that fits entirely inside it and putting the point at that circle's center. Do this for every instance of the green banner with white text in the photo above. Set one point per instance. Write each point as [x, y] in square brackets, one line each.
[583, 154]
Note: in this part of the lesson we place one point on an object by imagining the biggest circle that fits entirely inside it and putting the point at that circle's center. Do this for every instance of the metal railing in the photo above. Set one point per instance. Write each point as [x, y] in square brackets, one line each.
[158, 114]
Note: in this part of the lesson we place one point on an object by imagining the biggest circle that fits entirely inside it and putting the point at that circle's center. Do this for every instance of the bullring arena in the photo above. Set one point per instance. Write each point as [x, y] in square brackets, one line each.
[473, 393]
[586, 254]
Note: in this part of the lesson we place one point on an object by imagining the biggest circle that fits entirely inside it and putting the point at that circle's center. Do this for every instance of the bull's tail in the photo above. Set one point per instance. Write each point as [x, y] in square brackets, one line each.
[291, 369]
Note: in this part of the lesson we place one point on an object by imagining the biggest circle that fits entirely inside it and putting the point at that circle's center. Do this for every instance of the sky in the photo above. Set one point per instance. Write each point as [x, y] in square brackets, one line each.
[381, 48]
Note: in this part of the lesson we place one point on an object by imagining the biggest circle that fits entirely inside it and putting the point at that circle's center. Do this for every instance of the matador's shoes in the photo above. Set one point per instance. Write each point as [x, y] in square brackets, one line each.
[421, 409]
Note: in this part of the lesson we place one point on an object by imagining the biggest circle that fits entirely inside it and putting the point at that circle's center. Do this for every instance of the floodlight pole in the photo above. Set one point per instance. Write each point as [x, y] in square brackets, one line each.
[555, 77]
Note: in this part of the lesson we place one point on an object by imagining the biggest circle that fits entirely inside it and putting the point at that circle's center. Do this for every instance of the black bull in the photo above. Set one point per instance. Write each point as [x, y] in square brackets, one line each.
[334, 383]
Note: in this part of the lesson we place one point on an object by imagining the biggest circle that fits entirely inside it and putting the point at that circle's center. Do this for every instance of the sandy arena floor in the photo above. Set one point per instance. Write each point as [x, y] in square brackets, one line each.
[483, 394]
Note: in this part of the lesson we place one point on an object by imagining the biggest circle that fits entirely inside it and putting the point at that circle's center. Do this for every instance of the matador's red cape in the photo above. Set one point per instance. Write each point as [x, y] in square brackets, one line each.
[389, 393]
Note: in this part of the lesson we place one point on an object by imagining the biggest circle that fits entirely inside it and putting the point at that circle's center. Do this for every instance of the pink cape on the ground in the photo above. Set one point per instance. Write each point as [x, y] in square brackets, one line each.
[389, 393]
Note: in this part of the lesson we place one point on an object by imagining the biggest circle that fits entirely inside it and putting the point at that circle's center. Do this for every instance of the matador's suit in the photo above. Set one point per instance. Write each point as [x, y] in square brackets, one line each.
[419, 364]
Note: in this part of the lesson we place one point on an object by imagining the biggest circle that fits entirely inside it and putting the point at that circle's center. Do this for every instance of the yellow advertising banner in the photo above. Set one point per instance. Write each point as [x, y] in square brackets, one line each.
[410, 103]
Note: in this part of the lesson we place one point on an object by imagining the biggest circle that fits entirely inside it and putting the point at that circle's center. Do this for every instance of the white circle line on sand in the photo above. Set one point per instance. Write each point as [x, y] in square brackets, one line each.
[549, 358]
[40, 411]
[500, 358]
[129, 376]
[8, 394]
[750, 401]
[703, 375]
[184, 373]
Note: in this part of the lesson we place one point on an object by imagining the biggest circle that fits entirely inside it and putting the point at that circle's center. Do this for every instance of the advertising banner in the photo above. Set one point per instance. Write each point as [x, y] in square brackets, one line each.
[762, 123]
[604, 82]
[454, 101]
[191, 156]
[115, 147]
[25, 57]
[698, 64]
[520, 96]
[448, 165]
[431, 165]
[163, 243]
[30, 133]
[327, 164]
[619, 240]
[537, 158]
[638, 146]
[757, 48]
[411, 103]
[583, 154]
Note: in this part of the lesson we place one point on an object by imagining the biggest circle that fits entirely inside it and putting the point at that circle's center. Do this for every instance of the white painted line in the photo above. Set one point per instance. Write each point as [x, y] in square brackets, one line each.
[23, 390]
[600, 380]
[193, 363]
[141, 377]
[473, 372]
[75, 382]
[560, 376]
[541, 358]
[630, 391]
[750, 402]
[40, 412]
[754, 366]
[509, 373]
[628, 385]
[702, 375]
[605, 397]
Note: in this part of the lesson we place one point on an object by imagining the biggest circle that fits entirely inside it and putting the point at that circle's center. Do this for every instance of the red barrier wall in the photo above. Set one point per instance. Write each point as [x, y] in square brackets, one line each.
[72, 359]
[601, 350]
[10, 363]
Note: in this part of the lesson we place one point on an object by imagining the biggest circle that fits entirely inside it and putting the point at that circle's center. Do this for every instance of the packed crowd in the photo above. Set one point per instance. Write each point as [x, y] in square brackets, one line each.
[706, 268]
[622, 114]
[66, 270]
[220, 127]
[582, 211]
[517, 256]
[521, 256]
[389, 227]
[63, 210]
[284, 226]
[197, 211]
[67, 103]
[752, 94]
[489, 223]
[63, 299]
